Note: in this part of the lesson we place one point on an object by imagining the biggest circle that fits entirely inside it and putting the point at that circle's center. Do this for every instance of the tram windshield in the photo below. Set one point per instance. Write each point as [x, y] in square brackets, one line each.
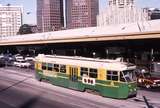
[127, 76]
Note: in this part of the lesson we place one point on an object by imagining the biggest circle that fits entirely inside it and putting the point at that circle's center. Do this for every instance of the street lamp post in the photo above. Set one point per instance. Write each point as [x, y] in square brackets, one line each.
[52, 52]
[74, 51]
[94, 54]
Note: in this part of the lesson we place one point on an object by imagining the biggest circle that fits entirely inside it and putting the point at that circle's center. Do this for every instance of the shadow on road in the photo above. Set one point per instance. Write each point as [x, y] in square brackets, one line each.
[29, 103]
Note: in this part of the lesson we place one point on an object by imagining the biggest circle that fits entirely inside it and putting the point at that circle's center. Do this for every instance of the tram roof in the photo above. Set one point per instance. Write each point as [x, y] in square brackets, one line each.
[108, 64]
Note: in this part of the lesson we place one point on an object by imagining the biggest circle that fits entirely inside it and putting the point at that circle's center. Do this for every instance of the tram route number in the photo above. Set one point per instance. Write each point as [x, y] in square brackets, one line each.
[89, 81]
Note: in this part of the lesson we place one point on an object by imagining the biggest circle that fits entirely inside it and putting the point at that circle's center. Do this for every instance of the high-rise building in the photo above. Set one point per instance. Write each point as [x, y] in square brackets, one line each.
[121, 3]
[81, 13]
[121, 12]
[10, 20]
[50, 15]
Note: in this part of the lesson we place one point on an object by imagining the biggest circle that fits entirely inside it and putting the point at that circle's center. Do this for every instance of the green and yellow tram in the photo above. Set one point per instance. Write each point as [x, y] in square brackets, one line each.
[110, 78]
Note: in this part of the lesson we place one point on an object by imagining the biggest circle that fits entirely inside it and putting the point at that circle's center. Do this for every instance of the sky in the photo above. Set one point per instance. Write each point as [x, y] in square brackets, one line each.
[30, 6]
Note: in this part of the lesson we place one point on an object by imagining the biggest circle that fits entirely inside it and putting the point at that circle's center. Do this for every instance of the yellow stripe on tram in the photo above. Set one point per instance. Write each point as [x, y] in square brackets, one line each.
[62, 77]
[107, 85]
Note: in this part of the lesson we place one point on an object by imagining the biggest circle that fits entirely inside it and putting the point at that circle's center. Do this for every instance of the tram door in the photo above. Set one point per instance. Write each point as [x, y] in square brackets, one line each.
[73, 74]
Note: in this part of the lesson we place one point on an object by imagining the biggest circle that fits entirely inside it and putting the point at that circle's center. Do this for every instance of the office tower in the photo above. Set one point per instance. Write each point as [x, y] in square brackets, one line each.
[10, 19]
[121, 3]
[81, 13]
[121, 12]
[50, 15]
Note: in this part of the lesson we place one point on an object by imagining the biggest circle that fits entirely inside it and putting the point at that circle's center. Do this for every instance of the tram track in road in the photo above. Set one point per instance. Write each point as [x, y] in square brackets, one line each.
[11, 79]
[6, 88]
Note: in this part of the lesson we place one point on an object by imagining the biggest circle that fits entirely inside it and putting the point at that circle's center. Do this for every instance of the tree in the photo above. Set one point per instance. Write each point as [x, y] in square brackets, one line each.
[25, 29]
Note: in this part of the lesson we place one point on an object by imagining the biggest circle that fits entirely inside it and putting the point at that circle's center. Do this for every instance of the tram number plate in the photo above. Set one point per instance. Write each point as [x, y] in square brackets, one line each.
[89, 81]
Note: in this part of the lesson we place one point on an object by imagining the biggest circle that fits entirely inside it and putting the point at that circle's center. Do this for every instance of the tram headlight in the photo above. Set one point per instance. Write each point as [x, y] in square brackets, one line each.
[130, 90]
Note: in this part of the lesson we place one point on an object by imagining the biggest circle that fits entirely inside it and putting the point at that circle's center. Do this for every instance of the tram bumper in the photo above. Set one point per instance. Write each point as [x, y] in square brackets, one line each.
[132, 94]
[132, 90]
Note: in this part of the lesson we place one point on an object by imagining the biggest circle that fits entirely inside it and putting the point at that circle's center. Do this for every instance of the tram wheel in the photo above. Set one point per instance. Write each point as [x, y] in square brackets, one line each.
[38, 78]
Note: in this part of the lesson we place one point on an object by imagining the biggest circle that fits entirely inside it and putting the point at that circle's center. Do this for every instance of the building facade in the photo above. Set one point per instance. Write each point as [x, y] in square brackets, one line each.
[10, 19]
[50, 15]
[81, 13]
[121, 12]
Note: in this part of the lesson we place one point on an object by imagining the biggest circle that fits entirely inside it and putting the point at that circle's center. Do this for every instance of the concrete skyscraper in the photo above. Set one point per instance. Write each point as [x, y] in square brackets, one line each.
[50, 15]
[121, 12]
[121, 3]
[81, 13]
[10, 19]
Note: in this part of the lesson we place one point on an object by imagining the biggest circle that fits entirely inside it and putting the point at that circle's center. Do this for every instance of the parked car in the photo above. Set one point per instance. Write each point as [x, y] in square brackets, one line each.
[145, 79]
[2, 62]
[22, 63]
[7, 59]
[29, 58]
[18, 57]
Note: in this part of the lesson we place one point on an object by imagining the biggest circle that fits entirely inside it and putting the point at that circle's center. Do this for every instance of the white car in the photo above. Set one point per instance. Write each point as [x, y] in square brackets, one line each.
[18, 57]
[29, 58]
[22, 63]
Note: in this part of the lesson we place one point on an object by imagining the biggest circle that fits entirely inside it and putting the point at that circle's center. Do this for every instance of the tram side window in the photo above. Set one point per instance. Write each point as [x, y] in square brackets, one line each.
[44, 66]
[84, 71]
[50, 67]
[56, 67]
[112, 75]
[63, 68]
[93, 73]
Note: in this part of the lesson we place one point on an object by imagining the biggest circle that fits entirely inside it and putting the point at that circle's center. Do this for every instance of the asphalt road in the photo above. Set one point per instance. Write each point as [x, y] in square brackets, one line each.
[19, 89]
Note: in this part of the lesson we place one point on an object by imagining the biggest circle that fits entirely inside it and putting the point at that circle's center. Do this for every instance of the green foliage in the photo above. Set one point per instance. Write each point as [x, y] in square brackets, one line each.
[25, 29]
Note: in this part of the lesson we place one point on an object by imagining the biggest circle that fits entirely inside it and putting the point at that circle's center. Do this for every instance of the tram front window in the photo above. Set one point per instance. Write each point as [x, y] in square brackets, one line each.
[127, 76]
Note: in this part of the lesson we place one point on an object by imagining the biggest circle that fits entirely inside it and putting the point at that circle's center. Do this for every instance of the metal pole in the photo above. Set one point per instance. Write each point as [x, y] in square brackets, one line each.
[74, 52]
[107, 53]
[94, 54]
[51, 52]
[151, 59]
[34, 51]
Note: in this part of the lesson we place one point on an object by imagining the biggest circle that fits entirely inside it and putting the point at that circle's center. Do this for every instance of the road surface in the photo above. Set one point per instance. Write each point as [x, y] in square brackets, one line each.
[19, 89]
